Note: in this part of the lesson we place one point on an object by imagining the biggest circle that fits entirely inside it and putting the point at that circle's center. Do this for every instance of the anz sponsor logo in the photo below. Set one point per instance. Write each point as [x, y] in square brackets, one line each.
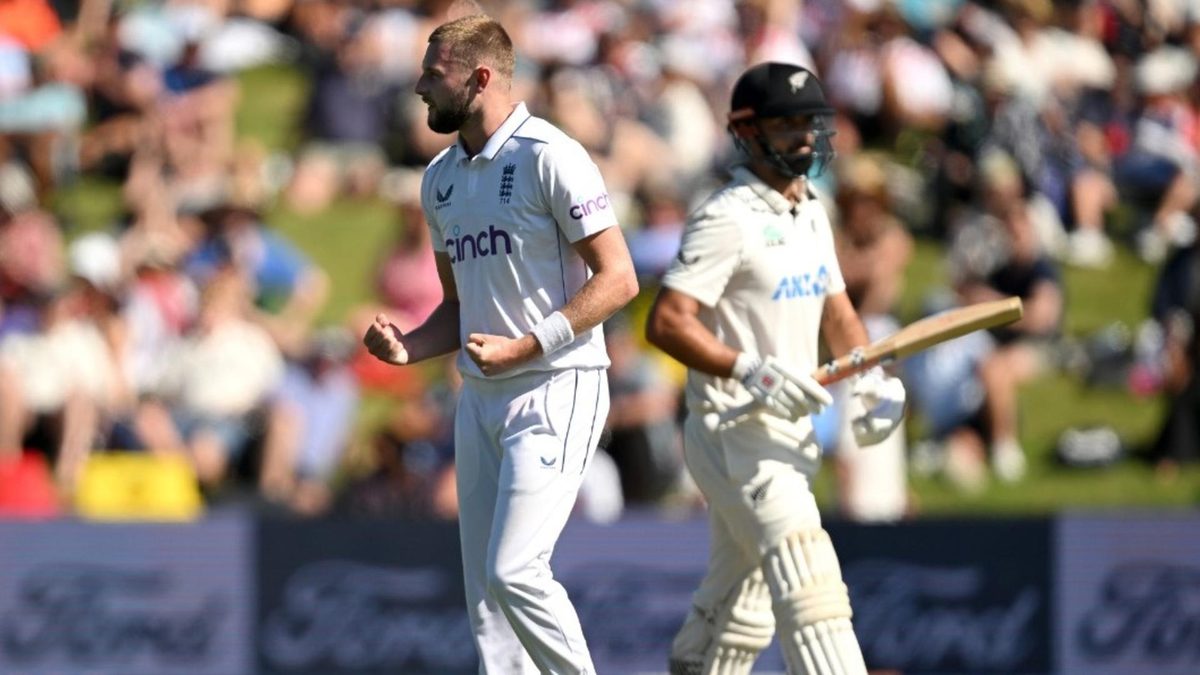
[587, 208]
[479, 245]
[805, 285]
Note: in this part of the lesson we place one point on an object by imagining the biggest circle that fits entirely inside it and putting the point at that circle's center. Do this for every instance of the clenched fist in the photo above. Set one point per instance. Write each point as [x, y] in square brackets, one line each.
[385, 341]
[495, 354]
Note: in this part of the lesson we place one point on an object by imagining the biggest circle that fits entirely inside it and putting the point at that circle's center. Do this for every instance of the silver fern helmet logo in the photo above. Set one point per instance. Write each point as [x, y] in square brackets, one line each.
[798, 79]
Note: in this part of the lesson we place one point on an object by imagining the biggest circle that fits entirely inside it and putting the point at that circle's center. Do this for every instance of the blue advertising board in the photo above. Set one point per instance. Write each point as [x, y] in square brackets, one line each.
[361, 597]
[631, 584]
[90, 599]
[1128, 591]
[951, 597]
[930, 597]
[1113, 594]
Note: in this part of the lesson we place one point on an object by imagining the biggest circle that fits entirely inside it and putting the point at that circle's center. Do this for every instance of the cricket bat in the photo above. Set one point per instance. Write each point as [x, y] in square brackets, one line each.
[916, 336]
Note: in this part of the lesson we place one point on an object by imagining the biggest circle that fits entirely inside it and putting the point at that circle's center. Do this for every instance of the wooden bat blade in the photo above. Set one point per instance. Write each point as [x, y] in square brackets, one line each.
[923, 334]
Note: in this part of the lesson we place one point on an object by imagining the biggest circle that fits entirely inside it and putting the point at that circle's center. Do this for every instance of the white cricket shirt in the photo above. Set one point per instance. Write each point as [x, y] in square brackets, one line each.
[507, 218]
[761, 269]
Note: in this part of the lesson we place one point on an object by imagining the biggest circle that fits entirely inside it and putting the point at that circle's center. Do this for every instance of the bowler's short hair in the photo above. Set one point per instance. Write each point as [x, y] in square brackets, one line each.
[477, 40]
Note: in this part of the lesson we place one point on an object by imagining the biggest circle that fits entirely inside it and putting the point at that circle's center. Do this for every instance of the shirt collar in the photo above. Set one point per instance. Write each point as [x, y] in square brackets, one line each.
[778, 203]
[499, 137]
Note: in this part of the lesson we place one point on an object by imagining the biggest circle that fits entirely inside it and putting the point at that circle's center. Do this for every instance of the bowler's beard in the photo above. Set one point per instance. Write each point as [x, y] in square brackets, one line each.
[448, 119]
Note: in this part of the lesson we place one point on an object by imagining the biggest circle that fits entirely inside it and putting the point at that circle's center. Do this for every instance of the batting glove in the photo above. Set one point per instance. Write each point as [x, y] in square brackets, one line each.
[780, 389]
[876, 405]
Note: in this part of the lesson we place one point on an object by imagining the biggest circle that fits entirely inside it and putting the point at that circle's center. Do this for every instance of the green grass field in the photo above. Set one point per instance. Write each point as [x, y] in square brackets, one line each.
[347, 239]
[1050, 405]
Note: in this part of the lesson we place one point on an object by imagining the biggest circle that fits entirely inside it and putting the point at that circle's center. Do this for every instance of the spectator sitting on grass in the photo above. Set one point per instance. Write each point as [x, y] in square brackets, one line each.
[56, 384]
[309, 424]
[997, 254]
[1175, 308]
[216, 383]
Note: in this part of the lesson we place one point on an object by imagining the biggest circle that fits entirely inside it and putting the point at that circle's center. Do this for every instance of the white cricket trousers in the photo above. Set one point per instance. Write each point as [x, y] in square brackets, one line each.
[521, 447]
[756, 480]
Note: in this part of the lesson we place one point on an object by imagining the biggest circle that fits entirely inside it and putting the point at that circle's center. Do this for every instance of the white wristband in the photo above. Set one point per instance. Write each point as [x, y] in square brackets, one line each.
[553, 333]
[743, 365]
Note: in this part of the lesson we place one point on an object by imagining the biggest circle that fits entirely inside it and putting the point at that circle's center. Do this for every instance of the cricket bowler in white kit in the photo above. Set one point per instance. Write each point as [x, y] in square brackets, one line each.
[754, 286]
[531, 262]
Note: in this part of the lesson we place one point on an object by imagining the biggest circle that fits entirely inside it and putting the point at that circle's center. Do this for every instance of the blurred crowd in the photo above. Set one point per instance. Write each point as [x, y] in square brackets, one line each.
[1023, 135]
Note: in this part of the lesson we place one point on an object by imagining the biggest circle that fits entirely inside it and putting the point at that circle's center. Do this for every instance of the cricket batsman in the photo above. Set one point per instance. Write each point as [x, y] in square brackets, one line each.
[756, 283]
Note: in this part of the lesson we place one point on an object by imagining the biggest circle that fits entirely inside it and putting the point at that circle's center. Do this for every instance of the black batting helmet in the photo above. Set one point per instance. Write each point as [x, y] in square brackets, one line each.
[770, 90]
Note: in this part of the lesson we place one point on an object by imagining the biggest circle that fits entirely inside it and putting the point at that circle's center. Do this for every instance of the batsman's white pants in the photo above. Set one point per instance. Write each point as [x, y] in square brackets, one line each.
[521, 447]
[756, 478]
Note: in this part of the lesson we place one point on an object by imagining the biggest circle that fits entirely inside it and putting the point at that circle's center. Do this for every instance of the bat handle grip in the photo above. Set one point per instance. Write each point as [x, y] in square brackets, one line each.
[849, 364]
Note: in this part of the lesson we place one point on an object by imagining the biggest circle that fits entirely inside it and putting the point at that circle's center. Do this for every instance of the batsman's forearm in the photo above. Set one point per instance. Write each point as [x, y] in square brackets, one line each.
[840, 325]
[437, 336]
[684, 338]
[845, 335]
